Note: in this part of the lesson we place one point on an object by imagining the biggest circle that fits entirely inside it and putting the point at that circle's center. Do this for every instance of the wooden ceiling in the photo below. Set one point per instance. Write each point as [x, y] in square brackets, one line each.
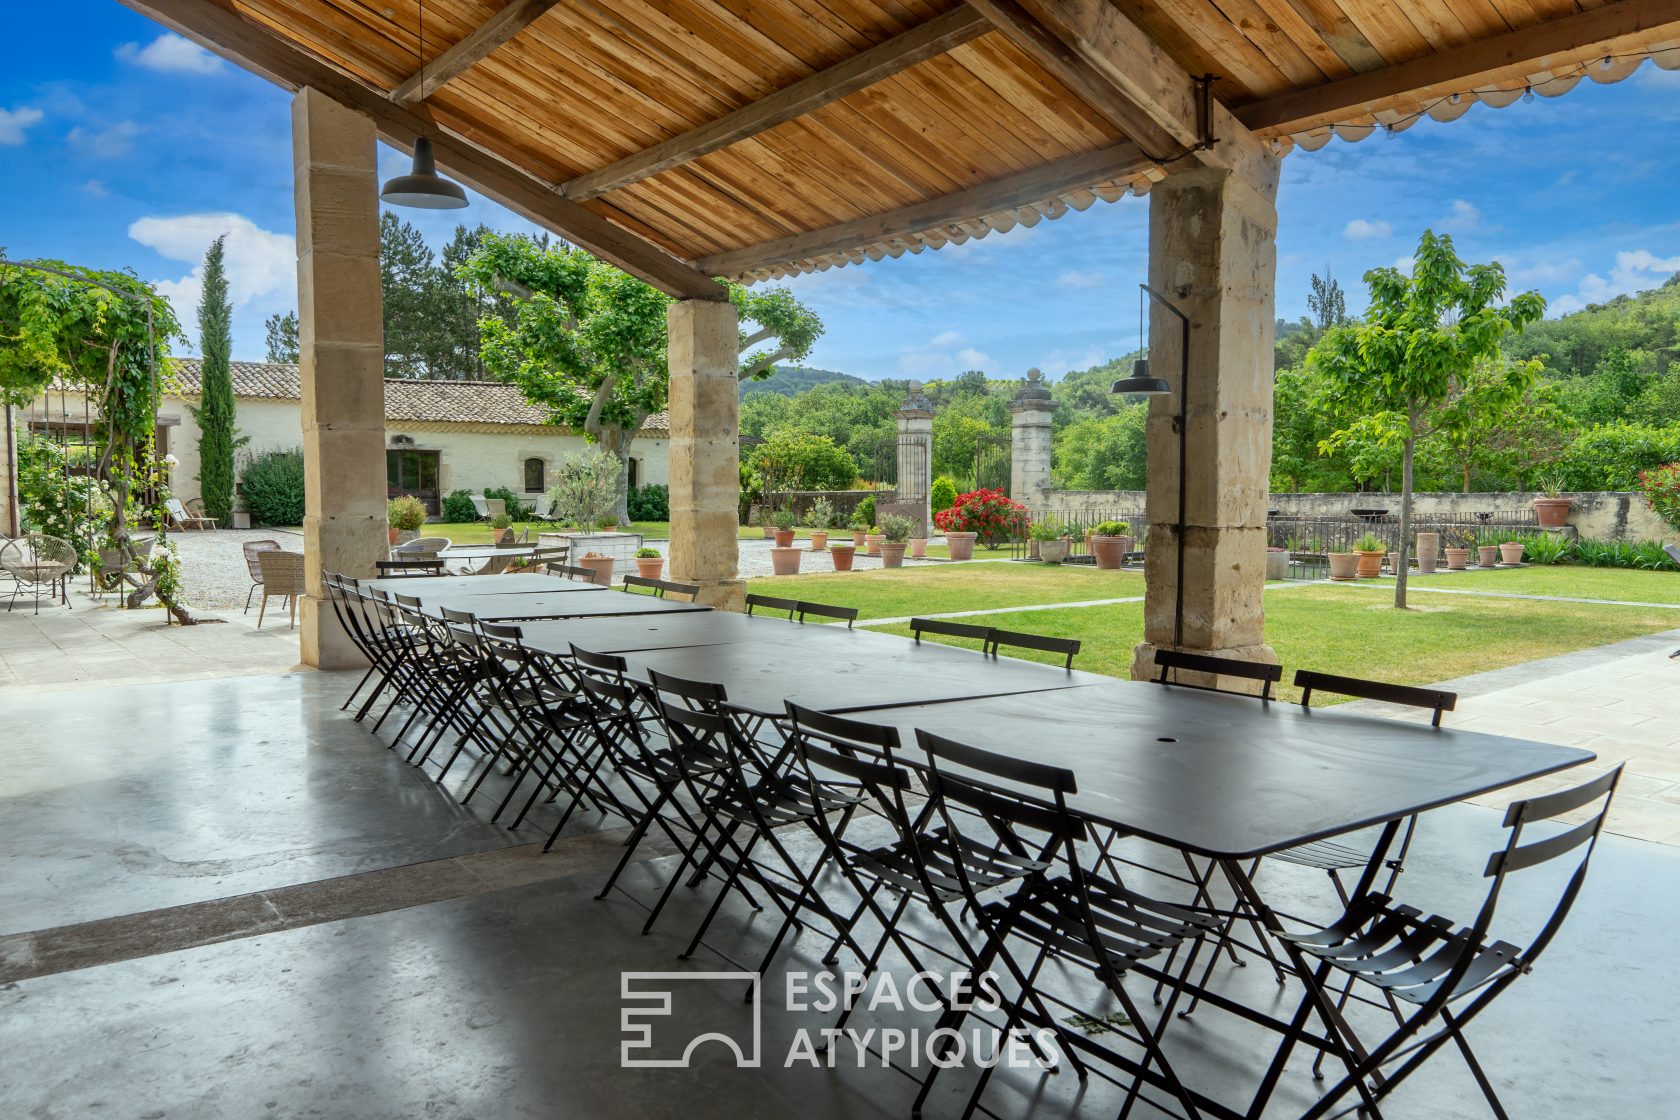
[684, 139]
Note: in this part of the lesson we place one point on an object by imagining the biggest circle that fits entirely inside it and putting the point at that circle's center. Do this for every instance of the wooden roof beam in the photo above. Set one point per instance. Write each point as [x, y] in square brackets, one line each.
[929, 40]
[1074, 173]
[260, 50]
[1119, 70]
[477, 45]
[1620, 24]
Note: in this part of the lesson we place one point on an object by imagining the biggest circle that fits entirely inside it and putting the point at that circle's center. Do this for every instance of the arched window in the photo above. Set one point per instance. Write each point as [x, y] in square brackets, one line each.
[534, 476]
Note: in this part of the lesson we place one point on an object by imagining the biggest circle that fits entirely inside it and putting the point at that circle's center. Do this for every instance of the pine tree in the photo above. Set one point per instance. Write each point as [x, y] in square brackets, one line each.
[282, 336]
[216, 409]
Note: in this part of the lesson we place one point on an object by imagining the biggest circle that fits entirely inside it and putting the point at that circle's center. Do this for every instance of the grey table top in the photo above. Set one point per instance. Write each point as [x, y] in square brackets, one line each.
[836, 669]
[567, 604]
[523, 584]
[621, 634]
[1229, 776]
[484, 552]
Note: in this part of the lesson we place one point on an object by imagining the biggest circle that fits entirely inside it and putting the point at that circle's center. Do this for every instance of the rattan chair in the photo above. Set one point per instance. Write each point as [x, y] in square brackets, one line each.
[251, 550]
[38, 560]
[282, 578]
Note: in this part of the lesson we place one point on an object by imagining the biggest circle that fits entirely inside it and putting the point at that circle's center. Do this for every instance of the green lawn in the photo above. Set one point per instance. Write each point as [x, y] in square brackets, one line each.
[898, 592]
[478, 532]
[1344, 631]
[1627, 584]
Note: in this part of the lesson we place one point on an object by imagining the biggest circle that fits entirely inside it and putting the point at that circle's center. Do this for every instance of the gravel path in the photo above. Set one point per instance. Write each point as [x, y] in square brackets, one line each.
[213, 570]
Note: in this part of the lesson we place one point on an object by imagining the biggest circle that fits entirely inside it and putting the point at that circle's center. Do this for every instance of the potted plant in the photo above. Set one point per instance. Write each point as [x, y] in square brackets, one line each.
[784, 558]
[1458, 556]
[1552, 510]
[599, 563]
[405, 514]
[1344, 565]
[1277, 563]
[842, 554]
[1487, 550]
[1050, 535]
[821, 516]
[1428, 551]
[873, 539]
[649, 563]
[524, 566]
[860, 527]
[501, 530]
[918, 544]
[895, 533]
[1370, 550]
[784, 522]
[1511, 552]
[1108, 543]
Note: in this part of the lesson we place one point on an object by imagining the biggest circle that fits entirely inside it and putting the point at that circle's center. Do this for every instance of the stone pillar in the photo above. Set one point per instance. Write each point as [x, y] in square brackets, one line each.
[341, 339]
[915, 459]
[1213, 254]
[705, 475]
[1029, 443]
[10, 518]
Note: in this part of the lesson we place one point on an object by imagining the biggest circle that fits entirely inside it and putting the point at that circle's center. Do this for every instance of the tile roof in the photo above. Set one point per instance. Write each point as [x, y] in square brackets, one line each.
[415, 402]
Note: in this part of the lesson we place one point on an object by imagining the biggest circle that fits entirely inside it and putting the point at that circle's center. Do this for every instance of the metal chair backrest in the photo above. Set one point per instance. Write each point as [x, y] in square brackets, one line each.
[920, 626]
[402, 569]
[251, 549]
[1309, 681]
[773, 603]
[1020, 640]
[701, 695]
[1178, 661]
[570, 571]
[663, 587]
[823, 610]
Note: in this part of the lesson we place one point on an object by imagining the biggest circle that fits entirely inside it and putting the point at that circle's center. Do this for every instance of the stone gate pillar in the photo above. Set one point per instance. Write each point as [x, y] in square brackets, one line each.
[341, 336]
[1213, 254]
[915, 457]
[705, 475]
[1029, 443]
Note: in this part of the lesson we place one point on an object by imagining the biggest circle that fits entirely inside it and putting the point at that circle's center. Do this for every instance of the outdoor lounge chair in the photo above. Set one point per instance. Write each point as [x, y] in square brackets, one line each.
[420, 548]
[282, 578]
[481, 506]
[542, 509]
[180, 518]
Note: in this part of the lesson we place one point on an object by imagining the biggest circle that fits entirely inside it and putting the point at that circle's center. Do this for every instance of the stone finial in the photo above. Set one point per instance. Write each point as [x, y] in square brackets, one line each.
[915, 400]
[1034, 394]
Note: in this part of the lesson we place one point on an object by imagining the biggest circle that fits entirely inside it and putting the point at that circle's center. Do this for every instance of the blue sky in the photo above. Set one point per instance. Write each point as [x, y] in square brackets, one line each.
[124, 147]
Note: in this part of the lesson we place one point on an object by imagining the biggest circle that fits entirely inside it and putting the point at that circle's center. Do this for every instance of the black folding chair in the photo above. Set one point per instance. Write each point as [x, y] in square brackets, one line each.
[1446, 973]
[664, 587]
[402, 569]
[773, 603]
[1172, 664]
[920, 626]
[848, 615]
[570, 571]
[1019, 640]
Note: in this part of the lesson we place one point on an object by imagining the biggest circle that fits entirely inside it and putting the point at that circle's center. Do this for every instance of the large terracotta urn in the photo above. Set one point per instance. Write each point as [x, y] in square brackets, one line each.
[1428, 551]
[961, 544]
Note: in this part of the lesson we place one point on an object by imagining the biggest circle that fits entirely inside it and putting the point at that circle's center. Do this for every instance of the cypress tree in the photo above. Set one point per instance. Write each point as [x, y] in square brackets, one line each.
[215, 407]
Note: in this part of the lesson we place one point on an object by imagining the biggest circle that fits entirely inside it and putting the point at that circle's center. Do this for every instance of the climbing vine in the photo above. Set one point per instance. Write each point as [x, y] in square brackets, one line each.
[106, 334]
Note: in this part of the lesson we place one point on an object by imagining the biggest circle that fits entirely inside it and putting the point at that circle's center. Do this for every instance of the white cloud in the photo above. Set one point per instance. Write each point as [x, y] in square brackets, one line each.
[973, 359]
[943, 355]
[1545, 272]
[945, 341]
[105, 143]
[14, 121]
[96, 187]
[1635, 271]
[1464, 217]
[259, 262]
[1361, 230]
[1081, 278]
[1058, 362]
[170, 54]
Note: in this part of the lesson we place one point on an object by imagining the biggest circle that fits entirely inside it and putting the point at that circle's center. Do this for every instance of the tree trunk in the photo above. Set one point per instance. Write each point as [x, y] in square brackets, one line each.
[616, 441]
[1404, 551]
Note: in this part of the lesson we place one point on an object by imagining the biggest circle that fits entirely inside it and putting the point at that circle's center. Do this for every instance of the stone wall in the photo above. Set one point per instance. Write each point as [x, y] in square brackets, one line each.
[1594, 516]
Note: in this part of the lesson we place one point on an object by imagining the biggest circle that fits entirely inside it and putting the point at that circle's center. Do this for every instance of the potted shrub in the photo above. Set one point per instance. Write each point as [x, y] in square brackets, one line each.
[873, 539]
[649, 563]
[985, 515]
[1344, 565]
[1277, 563]
[784, 522]
[784, 559]
[1047, 531]
[1457, 558]
[404, 514]
[859, 525]
[1487, 550]
[895, 534]
[1109, 543]
[524, 566]
[1370, 551]
[1511, 552]
[842, 554]
[1552, 510]
[599, 563]
[1428, 551]
[501, 530]
[821, 517]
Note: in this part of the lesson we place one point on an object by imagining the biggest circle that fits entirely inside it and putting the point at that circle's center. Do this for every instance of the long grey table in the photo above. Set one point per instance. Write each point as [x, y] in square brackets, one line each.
[1231, 777]
[570, 603]
[522, 584]
[620, 634]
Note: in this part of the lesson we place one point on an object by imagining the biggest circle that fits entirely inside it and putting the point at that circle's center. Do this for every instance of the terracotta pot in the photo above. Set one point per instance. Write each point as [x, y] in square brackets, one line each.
[784, 561]
[819, 539]
[1428, 551]
[1487, 555]
[1277, 565]
[769, 532]
[873, 540]
[784, 538]
[1344, 565]
[857, 538]
[1511, 553]
[649, 567]
[602, 566]
[1394, 563]
[962, 545]
[392, 534]
[1457, 559]
[1053, 552]
[918, 548]
[1109, 551]
[1370, 564]
[1552, 513]
[892, 554]
[842, 554]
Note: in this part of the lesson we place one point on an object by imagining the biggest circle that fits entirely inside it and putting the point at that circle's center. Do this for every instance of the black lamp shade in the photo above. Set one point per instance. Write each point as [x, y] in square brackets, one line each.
[423, 187]
[1140, 382]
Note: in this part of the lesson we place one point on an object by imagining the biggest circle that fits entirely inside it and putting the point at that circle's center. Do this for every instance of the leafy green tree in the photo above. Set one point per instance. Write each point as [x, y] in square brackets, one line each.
[1420, 338]
[1326, 301]
[282, 332]
[1103, 452]
[215, 412]
[794, 460]
[588, 342]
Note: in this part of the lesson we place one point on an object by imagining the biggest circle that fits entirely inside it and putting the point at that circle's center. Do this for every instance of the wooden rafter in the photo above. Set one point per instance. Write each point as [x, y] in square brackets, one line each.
[1514, 53]
[256, 48]
[933, 38]
[474, 48]
[1074, 173]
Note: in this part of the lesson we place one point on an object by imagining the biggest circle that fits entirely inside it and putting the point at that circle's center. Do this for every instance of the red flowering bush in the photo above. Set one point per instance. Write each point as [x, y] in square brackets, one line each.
[1661, 487]
[989, 514]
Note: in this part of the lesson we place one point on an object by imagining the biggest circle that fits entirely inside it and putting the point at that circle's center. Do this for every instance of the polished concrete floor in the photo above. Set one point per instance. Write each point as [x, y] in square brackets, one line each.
[225, 899]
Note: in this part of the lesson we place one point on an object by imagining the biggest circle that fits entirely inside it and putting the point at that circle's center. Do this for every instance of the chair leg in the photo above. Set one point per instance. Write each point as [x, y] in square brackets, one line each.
[262, 610]
[248, 595]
